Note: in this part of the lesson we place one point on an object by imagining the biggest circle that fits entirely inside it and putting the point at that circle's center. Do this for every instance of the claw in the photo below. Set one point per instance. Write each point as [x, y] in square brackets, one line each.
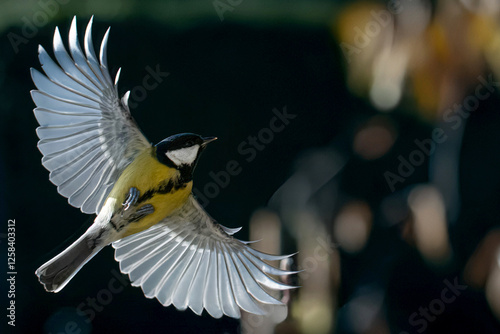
[146, 209]
[133, 196]
[142, 212]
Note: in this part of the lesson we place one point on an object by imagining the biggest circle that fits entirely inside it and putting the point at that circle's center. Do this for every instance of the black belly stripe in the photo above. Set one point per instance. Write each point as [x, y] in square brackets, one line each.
[164, 187]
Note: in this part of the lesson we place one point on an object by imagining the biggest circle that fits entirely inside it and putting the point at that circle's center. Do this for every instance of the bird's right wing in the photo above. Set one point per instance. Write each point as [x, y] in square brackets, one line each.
[188, 260]
[87, 135]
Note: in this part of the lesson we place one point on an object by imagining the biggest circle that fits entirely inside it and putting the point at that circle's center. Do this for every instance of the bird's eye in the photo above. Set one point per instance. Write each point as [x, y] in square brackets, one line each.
[189, 143]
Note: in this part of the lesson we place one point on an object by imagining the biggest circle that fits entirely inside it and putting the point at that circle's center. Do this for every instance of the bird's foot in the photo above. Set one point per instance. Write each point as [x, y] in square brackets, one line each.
[133, 196]
[142, 212]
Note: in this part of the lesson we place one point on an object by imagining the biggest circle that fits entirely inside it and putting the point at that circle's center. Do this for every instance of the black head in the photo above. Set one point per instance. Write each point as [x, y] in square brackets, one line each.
[182, 151]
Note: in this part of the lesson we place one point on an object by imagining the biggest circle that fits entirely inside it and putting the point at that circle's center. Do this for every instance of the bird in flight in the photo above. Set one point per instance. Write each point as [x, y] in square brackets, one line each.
[141, 193]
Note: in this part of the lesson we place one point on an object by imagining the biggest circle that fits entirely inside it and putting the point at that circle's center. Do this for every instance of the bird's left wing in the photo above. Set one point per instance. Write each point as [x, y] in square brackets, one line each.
[188, 260]
[87, 135]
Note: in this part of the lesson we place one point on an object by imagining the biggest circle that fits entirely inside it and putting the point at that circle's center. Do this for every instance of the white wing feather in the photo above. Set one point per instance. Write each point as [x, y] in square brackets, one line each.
[87, 135]
[188, 260]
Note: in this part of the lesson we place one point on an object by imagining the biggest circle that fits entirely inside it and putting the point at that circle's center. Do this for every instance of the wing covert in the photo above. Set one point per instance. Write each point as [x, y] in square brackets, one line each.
[87, 135]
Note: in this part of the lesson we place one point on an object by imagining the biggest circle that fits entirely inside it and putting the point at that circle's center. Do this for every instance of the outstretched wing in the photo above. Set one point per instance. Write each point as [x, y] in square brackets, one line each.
[188, 260]
[87, 135]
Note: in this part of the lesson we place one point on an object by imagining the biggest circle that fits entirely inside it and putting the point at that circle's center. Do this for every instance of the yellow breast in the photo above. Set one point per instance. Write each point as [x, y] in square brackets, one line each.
[146, 173]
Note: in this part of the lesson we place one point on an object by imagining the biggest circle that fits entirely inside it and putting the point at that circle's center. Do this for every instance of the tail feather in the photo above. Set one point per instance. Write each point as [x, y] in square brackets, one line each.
[57, 272]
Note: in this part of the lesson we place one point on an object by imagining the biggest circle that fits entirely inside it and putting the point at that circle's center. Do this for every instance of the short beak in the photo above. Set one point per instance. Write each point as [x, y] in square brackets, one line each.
[207, 140]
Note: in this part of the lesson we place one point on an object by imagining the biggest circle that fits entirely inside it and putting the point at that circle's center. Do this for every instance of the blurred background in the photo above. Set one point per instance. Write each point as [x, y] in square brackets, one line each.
[366, 135]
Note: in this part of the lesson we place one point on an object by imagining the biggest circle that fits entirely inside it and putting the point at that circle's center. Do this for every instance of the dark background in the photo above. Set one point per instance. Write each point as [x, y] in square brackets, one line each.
[226, 77]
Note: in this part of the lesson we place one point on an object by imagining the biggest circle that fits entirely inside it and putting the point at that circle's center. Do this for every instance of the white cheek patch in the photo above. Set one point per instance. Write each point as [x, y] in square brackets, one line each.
[184, 156]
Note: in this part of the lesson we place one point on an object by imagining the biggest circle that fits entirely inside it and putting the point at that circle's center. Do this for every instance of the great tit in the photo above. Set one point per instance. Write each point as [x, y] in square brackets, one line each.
[99, 159]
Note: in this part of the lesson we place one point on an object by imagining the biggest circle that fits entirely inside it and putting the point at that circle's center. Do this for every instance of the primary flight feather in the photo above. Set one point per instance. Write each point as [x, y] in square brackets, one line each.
[99, 159]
